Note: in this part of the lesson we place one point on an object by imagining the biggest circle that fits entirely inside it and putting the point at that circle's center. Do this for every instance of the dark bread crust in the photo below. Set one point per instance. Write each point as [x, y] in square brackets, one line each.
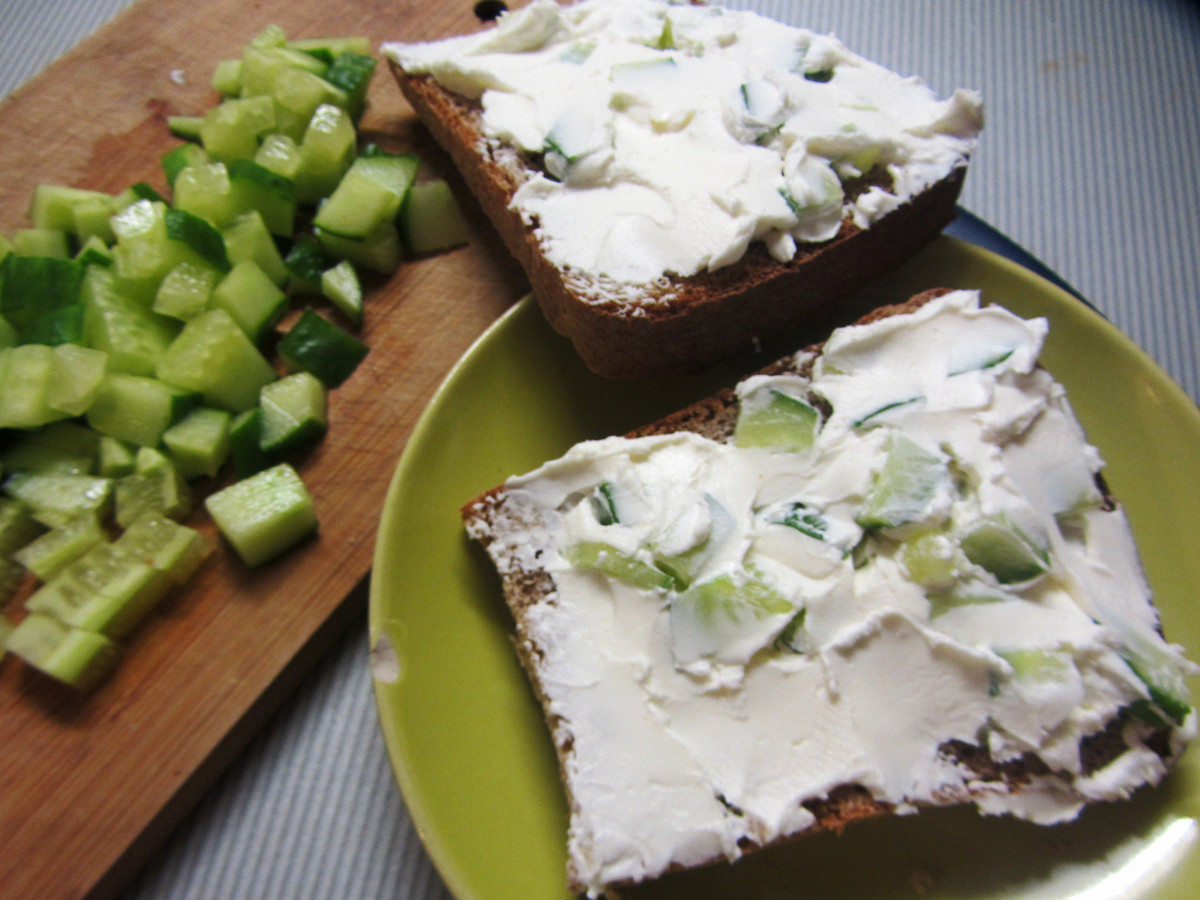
[714, 417]
[712, 314]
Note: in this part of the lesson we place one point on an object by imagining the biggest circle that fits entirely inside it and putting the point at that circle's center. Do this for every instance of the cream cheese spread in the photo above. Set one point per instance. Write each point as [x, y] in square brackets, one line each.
[901, 552]
[671, 136]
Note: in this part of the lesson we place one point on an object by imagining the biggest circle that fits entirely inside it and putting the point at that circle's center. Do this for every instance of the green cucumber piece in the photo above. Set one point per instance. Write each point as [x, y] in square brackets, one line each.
[18, 526]
[114, 457]
[598, 556]
[245, 443]
[248, 238]
[325, 153]
[254, 301]
[53, 206]
[198, 443]
[316, 345]
[264, 515]
[227, 77]
[777, 420]
[231, 129]
[326, 48]
[25, 375]
[294, 413]
[161, 490]
[380, 251]
[213, 357]
[49, 553]
[298, 95]
[1005, 552]
[185, 127]
[31, 285]
[94, 252]
[307, 262]
[910, 478]
[199, 235]
[165, 545]
[57, 497]
[429, 219]
[341, 287]
[133, 336]
[369, 195]
[280, 154]
[204, 189]
[66, 447]
[184, 292]
[254, 186]
[75, 376]
[64, 325]
[351, 72]
[138, 409]
[52, 242]
[73, 656]
[8, 334]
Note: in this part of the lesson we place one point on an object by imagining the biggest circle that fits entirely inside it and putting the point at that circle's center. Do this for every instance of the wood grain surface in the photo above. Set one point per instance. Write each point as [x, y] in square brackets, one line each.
[91, 785]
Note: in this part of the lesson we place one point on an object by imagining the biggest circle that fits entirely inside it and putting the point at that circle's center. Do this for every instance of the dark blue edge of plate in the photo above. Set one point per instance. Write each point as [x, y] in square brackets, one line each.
[969, 227]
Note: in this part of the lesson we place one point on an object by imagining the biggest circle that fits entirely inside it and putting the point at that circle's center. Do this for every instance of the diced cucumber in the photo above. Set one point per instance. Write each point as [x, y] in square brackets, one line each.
[369, 195]
[1004, 551]
[204, 189]
[198, 443]
[281, 155]
[66, 447]
[905, 487]
[17, 526]
[75, 376]
[34, 284]
[430, 220]
[245, 447]
[608, 560]
[231, 129]
[256, 187]
[53, 206]
[94, 252]
[152, 491]
[57, 497]
[316, 345]
[772, 418]
[213, 357]
[64, 325]
[138, 409]
[53, 242]
[199, 235]
[306, 262]
[294, 413]
[8, 334]
[351, 72]
[297, 95]
[341, 287]
[106, 590]
[379, 251]
[46, 555]
[166, 546]
[227, 77]
[25, 375]
[114, 457]
[133, 336]
[265, 514]
[325, 153]
[93, 219]
[186, 127]
[248, 237]
[326, 48]
[184, 292]
[253, 300]
[73, 656]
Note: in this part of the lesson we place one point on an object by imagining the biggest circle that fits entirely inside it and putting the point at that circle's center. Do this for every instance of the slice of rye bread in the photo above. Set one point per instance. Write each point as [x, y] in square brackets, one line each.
[710, 315]
[714, 417]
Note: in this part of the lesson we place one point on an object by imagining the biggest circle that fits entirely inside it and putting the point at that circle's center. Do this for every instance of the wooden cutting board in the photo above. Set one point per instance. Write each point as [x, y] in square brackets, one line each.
[89, 786]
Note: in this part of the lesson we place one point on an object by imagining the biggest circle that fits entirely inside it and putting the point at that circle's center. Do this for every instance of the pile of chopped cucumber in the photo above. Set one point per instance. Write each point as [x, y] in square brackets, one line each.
[141, 357]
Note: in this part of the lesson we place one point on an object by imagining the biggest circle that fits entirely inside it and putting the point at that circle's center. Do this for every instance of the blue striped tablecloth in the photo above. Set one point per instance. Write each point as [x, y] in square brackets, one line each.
[1090, 161]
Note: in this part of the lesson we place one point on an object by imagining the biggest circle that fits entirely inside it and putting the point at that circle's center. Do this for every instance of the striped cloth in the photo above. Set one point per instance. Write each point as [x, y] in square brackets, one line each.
[1089, 161]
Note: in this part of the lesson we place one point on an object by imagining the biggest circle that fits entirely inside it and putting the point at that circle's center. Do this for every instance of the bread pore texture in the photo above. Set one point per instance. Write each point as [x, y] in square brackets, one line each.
[882, 574]
[681, 181]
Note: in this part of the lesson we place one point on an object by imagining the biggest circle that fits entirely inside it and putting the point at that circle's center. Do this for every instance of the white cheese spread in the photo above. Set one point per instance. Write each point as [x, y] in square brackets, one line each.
[903, 550]
[672, 136]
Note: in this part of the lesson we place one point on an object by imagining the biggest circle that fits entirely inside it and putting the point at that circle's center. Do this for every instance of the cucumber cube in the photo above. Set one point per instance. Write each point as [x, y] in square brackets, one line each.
[264, 515]
[325, 154]
[776, 420]
[213, 356]
[341, 287]
[75, 376]
[57, 497]
[245, 447]
[184, 292]
[17, 526]
[51, 242]
[430, 220]
[175, 160]
[248, 238]
[48, 554]
[294, 413]
[198, 235]
[65, 447]
[227, 77]
[306, 262]
[198, 443]
[156, 491]
[279, 154]
[204, 189]
[379, 251]
[133, 336]
[297, 95]
[138, 409]
[255, 187]
[53, 206]
[316, 345]
[78, 658]
[35, 284]
[254, 301]
[55, 326]
[114, 458]
[231, 129]
[165, 545]
[25, 374]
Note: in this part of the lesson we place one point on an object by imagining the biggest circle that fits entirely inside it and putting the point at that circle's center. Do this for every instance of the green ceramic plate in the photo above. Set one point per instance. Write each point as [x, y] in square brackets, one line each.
[466, 739]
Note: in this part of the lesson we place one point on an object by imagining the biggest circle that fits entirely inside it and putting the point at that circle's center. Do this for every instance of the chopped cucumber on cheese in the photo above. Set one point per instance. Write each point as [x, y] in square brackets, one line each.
[140, 350]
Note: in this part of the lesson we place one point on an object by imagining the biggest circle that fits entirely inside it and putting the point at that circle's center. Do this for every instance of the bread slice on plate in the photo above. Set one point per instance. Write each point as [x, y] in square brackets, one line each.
[882, 574]
[681, 181]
